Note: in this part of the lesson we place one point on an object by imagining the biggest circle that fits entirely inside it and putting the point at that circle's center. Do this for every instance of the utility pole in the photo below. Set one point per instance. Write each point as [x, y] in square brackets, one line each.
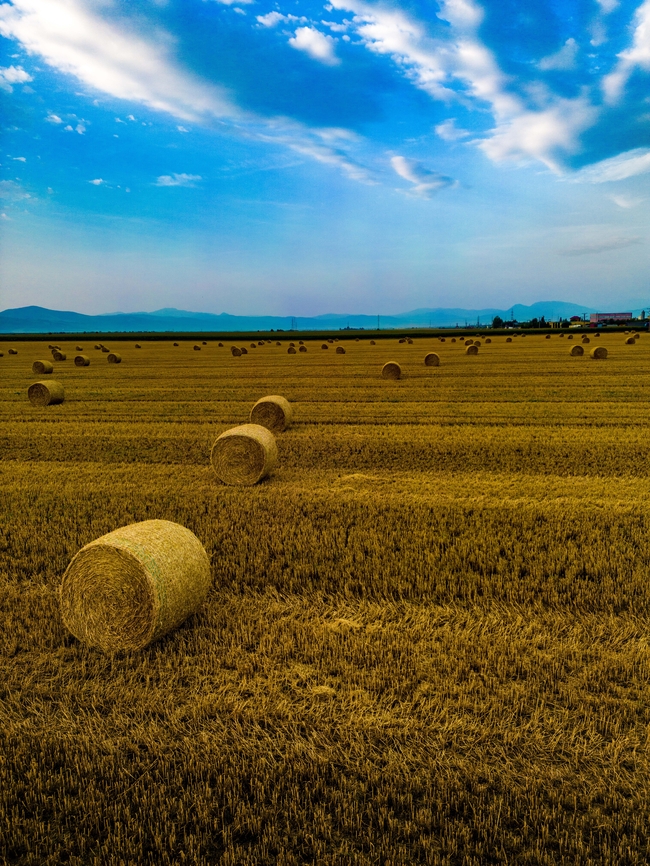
[377, 322]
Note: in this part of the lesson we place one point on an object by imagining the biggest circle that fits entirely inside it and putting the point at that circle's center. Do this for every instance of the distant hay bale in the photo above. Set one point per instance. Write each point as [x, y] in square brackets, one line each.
[244, 455]
[561, 335]
[243, 350]
[114, 358]
[79, 349]
[629, 341]
[292, 344]
[391, 370]
[58, 356]
[203, 343]
[278, 343]
[197, 348]
[302, 349]
[471, 350]
[431, 360]
[508, 339]
[42, 367]
[522, 335]
[138, 346]
[469, 342]
[586, 340]
[596, 334]
[330, 341]
[97, 346]
[488, 340]
[599, 353]
[442, 339]
[104, 349]
[453, 339]
[577, 350]
[13, 351]
[46, 393]
[260, 343]
[273, 412]
[356, 339]
[324, 346]
[253, 345]
[402, 340]
[134, 585]
[176, 344]
[235, 352]
[410, 341]
[301, 342]
[340, 350]
[477, 343]
[82, 361]
[372, 343]
[291, 350]
[570, 337]
[548, 337]
[221, 345]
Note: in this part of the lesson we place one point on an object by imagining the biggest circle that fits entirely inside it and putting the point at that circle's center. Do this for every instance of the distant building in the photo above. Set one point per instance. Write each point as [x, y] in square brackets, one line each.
[607, 318]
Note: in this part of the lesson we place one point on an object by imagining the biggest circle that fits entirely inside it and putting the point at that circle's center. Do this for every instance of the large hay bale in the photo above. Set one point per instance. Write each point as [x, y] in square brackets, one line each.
[391, 370]
[134, 585]
[629, 341]
[324, 346]
[82, 361]
[302, 348]
[340, 350]
[291, 350]
[42, 367]
[273, 412]
[46, 393]
[235, 352]
[244, 455]
[471, 350]
[114, 358]
[59, 356]
[577, 350]
[599, 353]
[431, 359]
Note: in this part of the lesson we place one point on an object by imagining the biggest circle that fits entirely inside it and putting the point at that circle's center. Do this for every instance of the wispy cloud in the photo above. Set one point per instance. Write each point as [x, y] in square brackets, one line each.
[316, 44]
[53, 118]
[565, 58]
[448, 131]
[178, 179]
[619, 167]
[599, 246]
[627, 201]
[638, 55]
[426, 183]
[98, 181]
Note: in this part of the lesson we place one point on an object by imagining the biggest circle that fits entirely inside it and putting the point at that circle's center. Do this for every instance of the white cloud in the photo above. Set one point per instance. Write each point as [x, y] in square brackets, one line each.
[73, 38]
[637, 55]
[230, 2]
[316, 44]
[68, 128]
[19, 158]
[620, 167]
[565, 58]
[600, 246]
[53, 118]
[448, 131]
[98, 181]
[425, 182]
[182, 129]
[12, 191]
[12, 75]
[271, 19]
[607, 6]
[177, 179]
[3, 216]
[130, 117]
[80, 128]
[627, 201]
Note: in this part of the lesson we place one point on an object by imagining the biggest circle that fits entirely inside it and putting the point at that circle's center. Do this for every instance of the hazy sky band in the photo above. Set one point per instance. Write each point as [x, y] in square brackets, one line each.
[312, 158]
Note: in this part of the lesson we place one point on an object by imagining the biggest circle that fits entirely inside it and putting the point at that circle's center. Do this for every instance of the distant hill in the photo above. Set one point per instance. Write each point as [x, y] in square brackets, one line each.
[33, 320]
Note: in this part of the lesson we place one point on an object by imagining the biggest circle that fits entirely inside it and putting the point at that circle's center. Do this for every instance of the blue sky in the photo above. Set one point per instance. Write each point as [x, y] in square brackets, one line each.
[303, 158]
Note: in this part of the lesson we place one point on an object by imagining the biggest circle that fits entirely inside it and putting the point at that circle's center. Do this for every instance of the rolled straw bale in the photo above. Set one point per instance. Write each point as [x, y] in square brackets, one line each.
[431, 360]
[114, 358]
[79, 349]
[50, 346]
[82, 361]
[278, 343]
[522, 335]
[2, 354]
[302, 348]
[292, 344]
[586, 340]
[104, 349]
[253, 345]
[596, 334]
[138, 346]
[197, 348]
[548, 337]
[391, 370]
[576, 350]
[453, 339]
[469, 342]
[273, 412]
[488, 340]
[471, 350]
[330, 341]
[46, 393]
[291, 350]
[244, 455]
[477, 343]
[176, 344]
[629, 341]
[324, 346]
[13, 351]
[402, 340]
[42, 367]
[260, 343]
[134, 585]
[599, 353]
[244, 350]
[98, 347]
[340, 350]
[235, 352]
[570, 337]
[59, 356]
[301, 342]
[561, 335]
[356, 340]
[442, 339]
[204, 343]
[372, 343]
[221, 345]
[410, 341]
[508, 339]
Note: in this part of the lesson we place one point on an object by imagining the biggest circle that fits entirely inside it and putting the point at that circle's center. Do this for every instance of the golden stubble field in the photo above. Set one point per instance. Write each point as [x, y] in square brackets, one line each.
[428, 635]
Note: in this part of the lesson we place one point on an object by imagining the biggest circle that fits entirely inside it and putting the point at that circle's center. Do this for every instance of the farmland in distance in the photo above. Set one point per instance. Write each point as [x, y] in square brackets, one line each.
[427, 639]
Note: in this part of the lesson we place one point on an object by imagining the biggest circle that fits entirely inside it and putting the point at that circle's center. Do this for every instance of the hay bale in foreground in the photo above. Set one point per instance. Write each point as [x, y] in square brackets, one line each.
[599, 353]
[244, 455]
[82, 361]
[340, 350]
[235, 352]
[432, 360]
[114, 358]
[273, 412]
[46, 393]
[576, 350]
[58, 356]
[134, 585]
[471, 350]
[391, 370]
[42, 367]
[291, 350]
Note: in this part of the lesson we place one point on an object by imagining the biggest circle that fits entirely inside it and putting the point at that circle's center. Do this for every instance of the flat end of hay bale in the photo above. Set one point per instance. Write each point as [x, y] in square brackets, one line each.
[576, 351]
[273, 412]
[235, 352]
[114, 358]
[391, 370]
[431, 360]
[42, 367]
[81, 361]
[598, 353]
[291, 350]
[46, 393]
[340, 350]
[244, 455]
[471, 350]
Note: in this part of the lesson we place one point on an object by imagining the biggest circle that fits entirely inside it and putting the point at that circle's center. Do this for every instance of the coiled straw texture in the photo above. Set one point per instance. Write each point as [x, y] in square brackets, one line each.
[432, 359]
[46, 393]
[114, 358]
[599, 353]
[244, 455]
[82, 361]
[42, 367]
[273, 412]
[133, 585]
[391, 370]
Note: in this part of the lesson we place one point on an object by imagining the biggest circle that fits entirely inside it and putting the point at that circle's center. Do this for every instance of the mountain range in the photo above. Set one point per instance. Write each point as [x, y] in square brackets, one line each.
[39, 320]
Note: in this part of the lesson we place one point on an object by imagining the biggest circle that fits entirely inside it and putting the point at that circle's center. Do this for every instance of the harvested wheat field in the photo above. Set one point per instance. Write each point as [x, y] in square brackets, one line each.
[427, 636]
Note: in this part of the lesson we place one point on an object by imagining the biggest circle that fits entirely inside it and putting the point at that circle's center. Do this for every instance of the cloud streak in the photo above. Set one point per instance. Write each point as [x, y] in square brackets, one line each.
[426, 183]
[600, 246]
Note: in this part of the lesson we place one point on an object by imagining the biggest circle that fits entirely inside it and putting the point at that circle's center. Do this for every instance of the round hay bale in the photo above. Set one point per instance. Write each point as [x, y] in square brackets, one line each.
[547, 337]
[98, 347]
[599, 353]
[244, 350]
[586, 340]
[260, 343]
[302, 349]
[197, 348]
[471, 350]
[442, 339]
[58, 356]
[235, 352]
[324, 346]
[488, 340]
[278, 343]
[340, 350]
[372, 343]
[138, 346]
[273, 412]
[291, 350]
[410, 341]
[477, 343]
[134, 585]
[469, 342]
[570, 337]
[114, 358]
[301, 342]
[453, 339]
[244, 455]
[402, 340]
[356, 339]
[561, 335]
[221, 345]
[79, 349]
[2, 354]
[330, 341]
[176, 344]
[522, 335]
[391, 370]
[46, 393]
[204, 343]
[253, 345]
[104, 349]
[508, 339]
[576, 350]
[82, 361]
[42, 367]
[431, 360]
[292, 344]
[629, 341]
[596, 334]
